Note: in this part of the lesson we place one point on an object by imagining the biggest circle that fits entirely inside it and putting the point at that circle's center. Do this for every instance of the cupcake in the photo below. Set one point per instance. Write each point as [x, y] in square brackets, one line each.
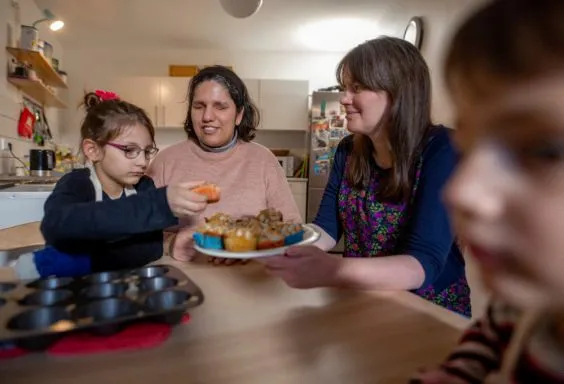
[270, 238]
[210, 235]
[240, 239]
[211, 191]
[293, 233]
[220, 219]
[270, 216]
[250, 222]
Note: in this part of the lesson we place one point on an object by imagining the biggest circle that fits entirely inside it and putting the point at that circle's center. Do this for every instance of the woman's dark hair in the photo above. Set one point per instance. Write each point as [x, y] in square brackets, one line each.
[239, 94]
[107, 118]
[507, 40]
[396, 67]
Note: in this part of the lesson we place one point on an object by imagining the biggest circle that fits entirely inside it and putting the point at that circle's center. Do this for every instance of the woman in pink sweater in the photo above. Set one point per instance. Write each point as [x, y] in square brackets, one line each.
[221, 122]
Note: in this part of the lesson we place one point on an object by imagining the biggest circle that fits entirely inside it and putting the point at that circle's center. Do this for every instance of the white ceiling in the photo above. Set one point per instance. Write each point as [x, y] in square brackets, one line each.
[202, 24]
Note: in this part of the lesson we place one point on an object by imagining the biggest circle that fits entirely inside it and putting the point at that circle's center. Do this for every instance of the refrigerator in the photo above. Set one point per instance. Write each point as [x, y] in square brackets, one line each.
[327, 129]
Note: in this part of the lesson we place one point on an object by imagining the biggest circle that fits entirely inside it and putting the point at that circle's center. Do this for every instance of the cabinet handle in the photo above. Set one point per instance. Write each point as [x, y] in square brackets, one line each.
[164, 115]
[156, 122]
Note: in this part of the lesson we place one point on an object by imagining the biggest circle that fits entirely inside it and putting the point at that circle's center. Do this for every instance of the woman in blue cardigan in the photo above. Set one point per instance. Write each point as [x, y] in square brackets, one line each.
[384, 190]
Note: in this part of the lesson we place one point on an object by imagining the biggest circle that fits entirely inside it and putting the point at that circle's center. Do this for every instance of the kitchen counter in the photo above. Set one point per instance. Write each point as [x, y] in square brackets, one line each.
[6, 184]
[252, 328]
[31, 179]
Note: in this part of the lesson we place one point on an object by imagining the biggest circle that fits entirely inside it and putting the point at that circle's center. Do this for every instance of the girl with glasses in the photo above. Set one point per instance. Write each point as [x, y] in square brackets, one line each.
[109, 215]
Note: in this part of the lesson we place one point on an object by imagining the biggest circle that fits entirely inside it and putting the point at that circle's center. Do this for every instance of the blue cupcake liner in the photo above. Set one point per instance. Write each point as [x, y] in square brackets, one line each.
[207, 241]
[294, 238]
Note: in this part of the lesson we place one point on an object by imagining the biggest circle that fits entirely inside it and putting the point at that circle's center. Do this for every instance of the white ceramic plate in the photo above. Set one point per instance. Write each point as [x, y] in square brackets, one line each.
[310, 237]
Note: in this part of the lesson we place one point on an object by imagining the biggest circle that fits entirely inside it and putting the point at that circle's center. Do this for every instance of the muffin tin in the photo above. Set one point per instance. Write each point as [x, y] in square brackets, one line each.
[34, 314]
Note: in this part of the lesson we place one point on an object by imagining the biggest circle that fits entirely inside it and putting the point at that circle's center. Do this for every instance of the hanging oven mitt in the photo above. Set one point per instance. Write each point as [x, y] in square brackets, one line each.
[25, 123]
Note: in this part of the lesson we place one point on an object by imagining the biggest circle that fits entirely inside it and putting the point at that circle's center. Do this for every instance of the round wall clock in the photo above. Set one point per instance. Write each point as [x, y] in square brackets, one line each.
[414, 32]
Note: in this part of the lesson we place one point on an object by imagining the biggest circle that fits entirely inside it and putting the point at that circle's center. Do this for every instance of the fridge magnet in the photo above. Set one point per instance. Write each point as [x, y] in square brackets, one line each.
[321, 168]
[320, 125]
[336, 134]
[320, 141]
[337, 122]
[322, 162]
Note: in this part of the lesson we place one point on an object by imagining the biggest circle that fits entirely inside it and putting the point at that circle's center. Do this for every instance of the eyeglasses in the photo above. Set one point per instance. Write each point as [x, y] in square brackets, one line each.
[133, 151]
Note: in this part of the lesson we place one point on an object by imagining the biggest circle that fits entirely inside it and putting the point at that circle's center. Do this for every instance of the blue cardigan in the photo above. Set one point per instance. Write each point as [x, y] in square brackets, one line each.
[114, 234]
[429, 237]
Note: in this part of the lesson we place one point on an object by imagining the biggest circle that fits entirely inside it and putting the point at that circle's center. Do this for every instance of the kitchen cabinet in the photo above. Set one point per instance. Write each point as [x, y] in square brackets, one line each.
[284, 105]
[299, 192]
[173, 102]
[141, 91]
[163, 98]
[253, 87]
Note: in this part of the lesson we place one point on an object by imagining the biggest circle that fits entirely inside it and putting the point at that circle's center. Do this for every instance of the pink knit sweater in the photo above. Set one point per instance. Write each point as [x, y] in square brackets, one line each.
[249, 176]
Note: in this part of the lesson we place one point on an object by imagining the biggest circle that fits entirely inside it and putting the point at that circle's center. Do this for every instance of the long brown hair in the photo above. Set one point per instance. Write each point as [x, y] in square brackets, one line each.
[395, 66]
[508, 41]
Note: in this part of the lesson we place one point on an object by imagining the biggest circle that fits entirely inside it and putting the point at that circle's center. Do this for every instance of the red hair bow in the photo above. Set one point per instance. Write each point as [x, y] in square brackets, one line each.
[105, 95]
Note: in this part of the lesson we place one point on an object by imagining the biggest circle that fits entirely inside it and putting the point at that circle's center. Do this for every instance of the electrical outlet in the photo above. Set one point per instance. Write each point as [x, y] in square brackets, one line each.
[3, 144]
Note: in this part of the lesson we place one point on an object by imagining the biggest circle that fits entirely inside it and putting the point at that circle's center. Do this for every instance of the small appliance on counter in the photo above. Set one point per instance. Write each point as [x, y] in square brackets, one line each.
[285, 160]
[287, 163]
[41, 162]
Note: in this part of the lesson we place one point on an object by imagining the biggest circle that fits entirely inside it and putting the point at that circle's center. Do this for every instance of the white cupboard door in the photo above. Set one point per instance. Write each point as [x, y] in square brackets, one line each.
[253, 89]
[144, 92]
[301, 201]
[174, 105]
[299, 192]
[284, 105]
[254, 92]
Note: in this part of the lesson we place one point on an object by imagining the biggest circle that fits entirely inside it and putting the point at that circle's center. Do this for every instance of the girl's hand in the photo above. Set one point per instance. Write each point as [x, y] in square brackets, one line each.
[305, 267]
[183, 247]
[183, 202]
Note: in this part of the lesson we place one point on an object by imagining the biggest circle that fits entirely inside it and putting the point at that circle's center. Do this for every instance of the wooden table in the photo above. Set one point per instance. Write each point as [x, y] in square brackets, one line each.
[254, 329]
[20, 236]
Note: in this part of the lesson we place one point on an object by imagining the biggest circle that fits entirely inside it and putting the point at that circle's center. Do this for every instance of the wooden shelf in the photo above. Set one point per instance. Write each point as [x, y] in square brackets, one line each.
[37, 91]
[40, 64]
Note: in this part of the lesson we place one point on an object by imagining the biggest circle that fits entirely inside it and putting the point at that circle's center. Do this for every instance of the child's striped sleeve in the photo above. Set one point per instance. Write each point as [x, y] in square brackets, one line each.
[479, 352]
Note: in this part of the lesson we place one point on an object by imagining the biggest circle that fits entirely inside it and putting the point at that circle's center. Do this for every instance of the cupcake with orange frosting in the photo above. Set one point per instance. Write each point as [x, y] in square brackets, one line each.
[211, 191]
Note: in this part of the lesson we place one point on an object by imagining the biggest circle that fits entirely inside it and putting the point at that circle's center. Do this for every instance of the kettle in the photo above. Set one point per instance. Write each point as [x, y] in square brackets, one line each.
[41, 162]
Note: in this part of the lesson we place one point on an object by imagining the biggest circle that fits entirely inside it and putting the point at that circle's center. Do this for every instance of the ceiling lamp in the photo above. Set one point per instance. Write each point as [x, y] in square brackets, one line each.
[241, 8]
[55, 24]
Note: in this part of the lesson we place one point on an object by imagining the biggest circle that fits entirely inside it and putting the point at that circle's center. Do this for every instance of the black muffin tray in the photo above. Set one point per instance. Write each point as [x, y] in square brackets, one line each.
[34, 314]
